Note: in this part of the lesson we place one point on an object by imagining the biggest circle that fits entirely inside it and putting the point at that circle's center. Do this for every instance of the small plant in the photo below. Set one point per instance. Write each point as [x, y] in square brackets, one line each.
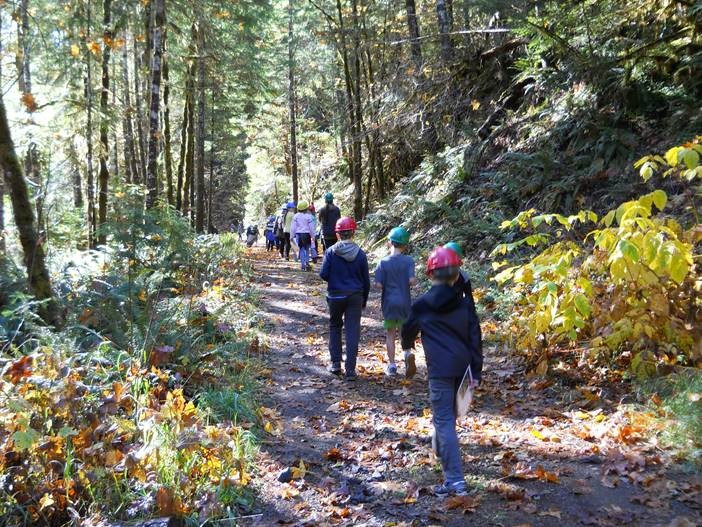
[631, 284]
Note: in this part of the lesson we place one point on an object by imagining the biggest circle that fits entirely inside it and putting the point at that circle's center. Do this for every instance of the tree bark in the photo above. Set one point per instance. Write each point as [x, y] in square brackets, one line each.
[154, 127]
[189, 184]
[104, 175]
[444, 29]
[358, 174]
[130, 155]
[167, 154]
[139, 116]
[34, 261]
[291, 102]
[3, 246]
[90, 182]
[200, 131]
[210, 183]
[114, 163]
[183, 142]
[413, 25]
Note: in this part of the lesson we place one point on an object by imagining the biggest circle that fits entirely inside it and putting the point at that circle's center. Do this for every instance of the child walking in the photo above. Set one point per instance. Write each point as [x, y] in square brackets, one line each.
[302, 231]
[345, 269]
[394, 275]
[451, 339]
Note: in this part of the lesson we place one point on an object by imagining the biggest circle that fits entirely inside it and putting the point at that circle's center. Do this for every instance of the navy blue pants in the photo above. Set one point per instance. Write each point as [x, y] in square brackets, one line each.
[345, 313]
[442, 392]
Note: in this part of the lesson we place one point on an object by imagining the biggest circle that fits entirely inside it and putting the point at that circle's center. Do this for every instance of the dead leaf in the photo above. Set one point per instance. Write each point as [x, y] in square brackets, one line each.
[464, 504]
[19, 369]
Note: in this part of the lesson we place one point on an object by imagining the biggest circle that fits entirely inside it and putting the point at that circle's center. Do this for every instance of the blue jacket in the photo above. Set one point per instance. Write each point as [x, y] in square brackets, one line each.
[345, 269]
[450, 332]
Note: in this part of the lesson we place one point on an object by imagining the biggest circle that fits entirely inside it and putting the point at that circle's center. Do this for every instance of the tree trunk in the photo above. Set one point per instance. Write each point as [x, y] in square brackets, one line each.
[139, 115]
[3, 246]
[445, 30]
[413, 25]
[168, 155]
[114, 163]
[90, 182]
[25, 75]
[210, 184]
[154, 128]
[130, 156]
[104, 176]
[37, 273]
[189, 184]
[291, 102]
[200, 131]
[358, 175]
[179, 198]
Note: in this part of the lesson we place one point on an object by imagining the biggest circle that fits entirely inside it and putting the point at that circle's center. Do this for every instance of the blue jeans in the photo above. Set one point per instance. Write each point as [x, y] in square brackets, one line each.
[303, 242]
[442, 392]
[345, 311]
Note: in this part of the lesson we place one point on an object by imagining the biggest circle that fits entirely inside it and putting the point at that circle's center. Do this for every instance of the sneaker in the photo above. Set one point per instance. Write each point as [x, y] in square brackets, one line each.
[410, 365]
[458, 488]
[335, 369]
[391, 370]
[351, 376]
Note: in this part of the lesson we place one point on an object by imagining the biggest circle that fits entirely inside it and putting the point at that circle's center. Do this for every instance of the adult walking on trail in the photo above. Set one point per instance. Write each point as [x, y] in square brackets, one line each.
[279, 230]
[328, 216]
[451, 339]
[302, 231]
[289, 213]
[345, 269]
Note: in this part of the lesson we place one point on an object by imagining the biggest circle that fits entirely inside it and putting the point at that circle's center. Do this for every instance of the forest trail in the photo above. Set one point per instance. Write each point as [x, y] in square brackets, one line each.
[530, 458]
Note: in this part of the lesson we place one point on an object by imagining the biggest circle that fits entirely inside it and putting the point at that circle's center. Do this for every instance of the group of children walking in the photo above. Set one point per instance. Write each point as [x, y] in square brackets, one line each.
[445, 316]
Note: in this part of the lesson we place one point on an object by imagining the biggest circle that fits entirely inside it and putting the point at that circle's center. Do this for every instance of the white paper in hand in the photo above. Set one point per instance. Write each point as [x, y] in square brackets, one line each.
[464, 397]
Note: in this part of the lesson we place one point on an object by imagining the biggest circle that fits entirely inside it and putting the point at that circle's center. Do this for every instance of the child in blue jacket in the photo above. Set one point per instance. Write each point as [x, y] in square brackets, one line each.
[451, 339]
[345, 269]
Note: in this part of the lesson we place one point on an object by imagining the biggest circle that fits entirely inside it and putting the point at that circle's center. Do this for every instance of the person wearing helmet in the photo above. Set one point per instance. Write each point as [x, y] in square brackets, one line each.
[314, 249]
[290, 212]
[394, 275]
[451, 339]
[462, 285]
[328, 216]
[345, 269]
[302, 231]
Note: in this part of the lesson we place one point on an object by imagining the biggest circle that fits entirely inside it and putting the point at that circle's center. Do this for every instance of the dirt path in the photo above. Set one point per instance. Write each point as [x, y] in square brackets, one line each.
[535, 453]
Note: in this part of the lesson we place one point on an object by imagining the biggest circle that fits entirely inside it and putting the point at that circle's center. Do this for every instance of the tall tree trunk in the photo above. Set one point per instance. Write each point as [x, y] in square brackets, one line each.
[130, 156]
[154, 128]
[189, 184]
[25, 75]
[139, 115]
[200, 131]
[181, 158]
[90, 182]
[358, 175]
[76, 179]
[413, 26]
[104, 176]
[291, 102]
[37, 273]
[444, 29]
[3, 246]
[114, 163]
[167, 154]
[210, 184]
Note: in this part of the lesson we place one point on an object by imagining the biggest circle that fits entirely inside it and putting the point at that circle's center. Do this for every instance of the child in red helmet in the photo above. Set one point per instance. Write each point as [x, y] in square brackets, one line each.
[345, 269]
[451, 339]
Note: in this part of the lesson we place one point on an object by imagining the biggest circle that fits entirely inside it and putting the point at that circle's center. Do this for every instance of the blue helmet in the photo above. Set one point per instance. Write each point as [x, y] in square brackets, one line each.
[290, 205]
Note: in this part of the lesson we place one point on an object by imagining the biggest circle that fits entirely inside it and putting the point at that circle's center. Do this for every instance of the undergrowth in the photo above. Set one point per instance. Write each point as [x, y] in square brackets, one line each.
[144, 404]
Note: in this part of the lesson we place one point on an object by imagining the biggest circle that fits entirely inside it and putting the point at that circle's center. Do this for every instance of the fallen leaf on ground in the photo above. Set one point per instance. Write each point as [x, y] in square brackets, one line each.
[464, 504]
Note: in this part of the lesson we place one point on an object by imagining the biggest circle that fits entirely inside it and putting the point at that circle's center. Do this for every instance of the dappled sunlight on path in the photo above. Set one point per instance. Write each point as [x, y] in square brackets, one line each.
[357, 453]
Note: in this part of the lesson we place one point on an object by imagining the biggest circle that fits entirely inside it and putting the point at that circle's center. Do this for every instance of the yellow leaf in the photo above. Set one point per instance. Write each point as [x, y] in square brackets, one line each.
[299, 471]
[475, 104]
[46, 501]
[75, 50]
[538, 435]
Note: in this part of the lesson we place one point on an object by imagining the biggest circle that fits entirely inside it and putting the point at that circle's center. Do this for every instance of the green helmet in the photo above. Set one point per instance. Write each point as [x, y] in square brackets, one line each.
[399, 235]
[455, 248]
[329, 197]
[302, 206]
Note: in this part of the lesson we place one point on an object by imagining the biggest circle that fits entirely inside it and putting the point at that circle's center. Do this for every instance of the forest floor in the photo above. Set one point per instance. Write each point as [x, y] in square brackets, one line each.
[536, 453]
